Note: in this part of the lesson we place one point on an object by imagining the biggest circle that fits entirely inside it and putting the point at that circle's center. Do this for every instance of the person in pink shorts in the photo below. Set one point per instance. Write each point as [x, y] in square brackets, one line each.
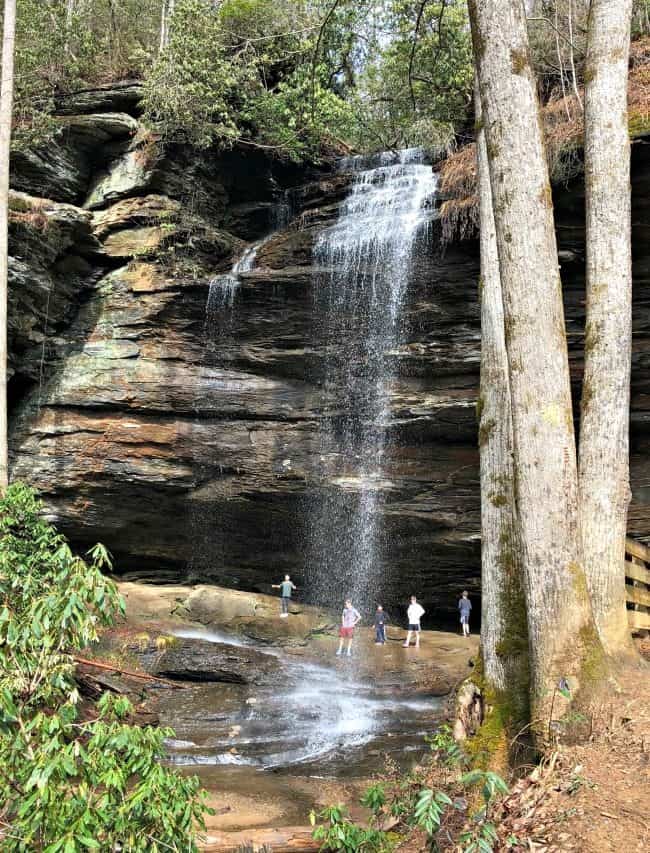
[349, 619]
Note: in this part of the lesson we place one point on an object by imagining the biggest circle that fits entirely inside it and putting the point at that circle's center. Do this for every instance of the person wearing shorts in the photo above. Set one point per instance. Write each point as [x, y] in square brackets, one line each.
[349, 619]
[414, 613]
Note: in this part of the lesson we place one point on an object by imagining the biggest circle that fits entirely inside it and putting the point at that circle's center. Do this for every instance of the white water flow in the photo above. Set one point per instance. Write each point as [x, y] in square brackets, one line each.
[308, 715]
[366, 260]
[223, 287]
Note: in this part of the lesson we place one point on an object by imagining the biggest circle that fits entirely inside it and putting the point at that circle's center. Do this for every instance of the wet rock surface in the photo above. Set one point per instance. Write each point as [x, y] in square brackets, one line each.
[188, 442]
[244, 706]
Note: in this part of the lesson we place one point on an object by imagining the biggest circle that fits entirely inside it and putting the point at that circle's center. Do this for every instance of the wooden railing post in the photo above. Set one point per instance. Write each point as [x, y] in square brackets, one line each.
[637, 585]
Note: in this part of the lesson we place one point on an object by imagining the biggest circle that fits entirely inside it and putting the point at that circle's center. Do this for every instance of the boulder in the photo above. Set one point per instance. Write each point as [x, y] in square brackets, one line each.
[124, 97]
[61, 169]
[199, 660]
[256, 617]
[130, 173]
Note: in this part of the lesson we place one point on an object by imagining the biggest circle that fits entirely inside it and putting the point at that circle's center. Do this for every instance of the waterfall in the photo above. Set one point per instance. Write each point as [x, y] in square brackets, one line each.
[223, 287]
[365, 262]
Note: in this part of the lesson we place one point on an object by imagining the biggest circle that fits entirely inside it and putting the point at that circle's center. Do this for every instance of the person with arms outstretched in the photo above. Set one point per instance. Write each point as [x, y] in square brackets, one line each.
[349, 619]
[286, 588]
[414, 614]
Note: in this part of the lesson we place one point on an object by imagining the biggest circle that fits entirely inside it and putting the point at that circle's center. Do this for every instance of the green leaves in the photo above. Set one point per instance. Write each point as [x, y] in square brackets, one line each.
[338, 833]
[374, 798]
[429, 808]
[491, 783]
[70, 785]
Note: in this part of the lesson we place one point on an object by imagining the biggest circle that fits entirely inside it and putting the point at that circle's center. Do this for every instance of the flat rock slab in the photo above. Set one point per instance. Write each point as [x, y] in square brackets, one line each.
[203, 661]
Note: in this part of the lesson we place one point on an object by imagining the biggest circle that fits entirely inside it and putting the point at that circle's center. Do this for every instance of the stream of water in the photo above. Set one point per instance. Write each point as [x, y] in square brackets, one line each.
[366, 258]
[326, 719]
[320, 718]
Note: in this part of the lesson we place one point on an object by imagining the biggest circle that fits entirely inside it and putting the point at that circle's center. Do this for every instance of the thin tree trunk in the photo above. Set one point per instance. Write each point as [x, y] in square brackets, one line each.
[163, 26]
[604, 433]
[6, 106]
[504, 630]
[574, 76]
[69, 16]
[165, 22]
[562, 636]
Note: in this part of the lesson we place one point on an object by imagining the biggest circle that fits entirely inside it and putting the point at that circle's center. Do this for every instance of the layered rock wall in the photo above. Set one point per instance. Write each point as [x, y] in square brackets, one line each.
[189, 442]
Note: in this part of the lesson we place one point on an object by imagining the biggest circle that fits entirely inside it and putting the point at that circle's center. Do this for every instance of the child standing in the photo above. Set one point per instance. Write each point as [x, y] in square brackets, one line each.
[465, 606]
[380, 626]
[414, 614]
[349, 619]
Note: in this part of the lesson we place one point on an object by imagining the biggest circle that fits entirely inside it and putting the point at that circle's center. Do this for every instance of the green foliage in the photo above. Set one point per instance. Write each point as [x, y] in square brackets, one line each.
[481, 839]
[482, 836]
[73, 779]
[445, 747]
[294, 76]
[374, 798]
[243, 71]
[57, 52]
[491, 783]
[429, 808]
[338, 833]
[416, 87]
[192, 90]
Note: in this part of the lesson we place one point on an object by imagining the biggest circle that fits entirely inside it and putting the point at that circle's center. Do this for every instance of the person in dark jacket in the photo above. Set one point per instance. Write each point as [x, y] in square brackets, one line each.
[380, 625]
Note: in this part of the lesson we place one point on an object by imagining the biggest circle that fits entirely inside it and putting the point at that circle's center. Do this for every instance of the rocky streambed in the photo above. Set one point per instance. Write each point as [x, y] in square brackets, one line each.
[265, 713]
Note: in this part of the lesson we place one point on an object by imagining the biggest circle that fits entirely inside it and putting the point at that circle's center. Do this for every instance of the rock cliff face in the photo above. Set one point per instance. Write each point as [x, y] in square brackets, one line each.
[186, 440]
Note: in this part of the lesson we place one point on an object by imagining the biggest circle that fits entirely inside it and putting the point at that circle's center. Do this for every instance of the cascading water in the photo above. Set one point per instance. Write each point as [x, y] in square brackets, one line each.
[222, 288]
[365, 261]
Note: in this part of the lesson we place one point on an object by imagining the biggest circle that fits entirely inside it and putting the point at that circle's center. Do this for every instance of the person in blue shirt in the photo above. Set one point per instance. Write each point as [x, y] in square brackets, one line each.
[465, 607]
[286, 588]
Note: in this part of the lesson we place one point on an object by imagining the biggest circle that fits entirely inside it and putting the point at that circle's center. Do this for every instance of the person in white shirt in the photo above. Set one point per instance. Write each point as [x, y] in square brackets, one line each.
[349, 619]
[414, 613]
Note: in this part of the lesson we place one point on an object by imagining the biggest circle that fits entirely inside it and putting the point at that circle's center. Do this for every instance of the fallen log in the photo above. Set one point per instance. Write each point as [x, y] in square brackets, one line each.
[127, 672]
[289, 839]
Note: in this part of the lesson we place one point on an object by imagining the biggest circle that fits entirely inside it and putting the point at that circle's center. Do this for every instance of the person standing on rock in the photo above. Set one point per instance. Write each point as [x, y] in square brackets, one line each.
[465, 606]
[380, 625]
[414, 614]
[349, 619]
[286, 588]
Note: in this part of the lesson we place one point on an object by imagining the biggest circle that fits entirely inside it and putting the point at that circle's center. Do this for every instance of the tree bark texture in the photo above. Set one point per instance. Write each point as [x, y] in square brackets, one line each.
[560, 622]
[504, 629]
[604, 432]
[6, 106]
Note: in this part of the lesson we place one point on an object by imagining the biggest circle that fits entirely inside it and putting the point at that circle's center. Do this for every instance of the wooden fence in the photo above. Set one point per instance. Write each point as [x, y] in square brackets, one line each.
[637, 585]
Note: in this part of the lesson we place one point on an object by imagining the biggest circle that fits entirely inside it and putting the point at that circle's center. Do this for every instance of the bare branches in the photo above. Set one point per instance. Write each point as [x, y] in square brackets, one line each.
[411, 77]
[418, 21]
[314, 60]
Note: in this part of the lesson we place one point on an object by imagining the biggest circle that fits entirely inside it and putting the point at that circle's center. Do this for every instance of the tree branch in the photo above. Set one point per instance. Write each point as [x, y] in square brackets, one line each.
[314, 58]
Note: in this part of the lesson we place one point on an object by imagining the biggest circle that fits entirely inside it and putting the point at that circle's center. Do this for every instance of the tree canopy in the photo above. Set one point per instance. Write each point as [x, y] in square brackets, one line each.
[296, 76]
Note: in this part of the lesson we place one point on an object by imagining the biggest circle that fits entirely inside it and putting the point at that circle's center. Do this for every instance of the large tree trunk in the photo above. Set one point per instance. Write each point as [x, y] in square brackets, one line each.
[504, 629]
[6, 106]
[560, 623]
[604, 431]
